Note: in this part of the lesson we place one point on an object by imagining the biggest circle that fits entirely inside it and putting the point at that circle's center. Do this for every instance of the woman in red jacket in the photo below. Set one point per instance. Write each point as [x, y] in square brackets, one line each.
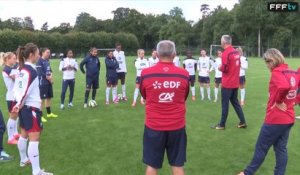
[280, 114]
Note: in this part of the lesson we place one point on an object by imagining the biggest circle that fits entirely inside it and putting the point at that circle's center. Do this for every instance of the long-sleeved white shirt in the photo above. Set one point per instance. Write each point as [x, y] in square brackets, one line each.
[120, 56]
[68, 74]
[9, 82]
[244, 66]
[140, 64]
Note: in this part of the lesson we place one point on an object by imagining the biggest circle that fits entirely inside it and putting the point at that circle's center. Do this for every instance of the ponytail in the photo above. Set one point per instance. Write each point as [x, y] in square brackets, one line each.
[24, 52]
[21, 57]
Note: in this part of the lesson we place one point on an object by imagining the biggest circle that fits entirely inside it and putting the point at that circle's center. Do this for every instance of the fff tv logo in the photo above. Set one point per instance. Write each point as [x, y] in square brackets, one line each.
[283, 6]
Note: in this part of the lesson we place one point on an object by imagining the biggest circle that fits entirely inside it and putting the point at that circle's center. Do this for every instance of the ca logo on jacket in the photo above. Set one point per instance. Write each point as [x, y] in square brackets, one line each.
[166, 97]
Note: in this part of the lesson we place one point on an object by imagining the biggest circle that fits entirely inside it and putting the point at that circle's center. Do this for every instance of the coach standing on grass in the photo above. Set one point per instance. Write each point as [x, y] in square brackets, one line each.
[230, 69]
[165, 88]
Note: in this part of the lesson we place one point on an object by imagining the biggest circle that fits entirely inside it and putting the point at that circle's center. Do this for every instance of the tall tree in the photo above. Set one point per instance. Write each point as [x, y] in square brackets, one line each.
[28, 23]
[45, 27]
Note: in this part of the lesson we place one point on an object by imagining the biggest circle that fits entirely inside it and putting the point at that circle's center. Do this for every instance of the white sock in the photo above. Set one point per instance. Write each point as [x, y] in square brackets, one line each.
[16, 127]
[208, 92]
[136, 94]
[11, 124]
[216, 93]
[202, 92]
[33, 154]
[107, 93]
[243, 94]
[114, 93]
[124, 90]
[193, 91]
[22, 146]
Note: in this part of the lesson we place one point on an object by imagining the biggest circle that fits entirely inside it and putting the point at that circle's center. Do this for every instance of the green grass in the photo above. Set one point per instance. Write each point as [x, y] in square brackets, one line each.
[108, 140]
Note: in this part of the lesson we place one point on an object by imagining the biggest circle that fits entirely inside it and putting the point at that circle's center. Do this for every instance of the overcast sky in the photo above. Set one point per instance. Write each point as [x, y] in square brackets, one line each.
[57, 11]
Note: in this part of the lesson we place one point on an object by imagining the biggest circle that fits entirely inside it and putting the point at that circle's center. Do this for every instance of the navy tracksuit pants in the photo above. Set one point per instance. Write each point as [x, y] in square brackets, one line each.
[65, 85]
[2, 130]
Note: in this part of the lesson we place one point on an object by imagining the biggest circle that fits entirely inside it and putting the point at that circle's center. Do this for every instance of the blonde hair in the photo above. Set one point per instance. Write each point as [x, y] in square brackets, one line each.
[139, 51]
[240, 50]
[274, 56]
[5, 56]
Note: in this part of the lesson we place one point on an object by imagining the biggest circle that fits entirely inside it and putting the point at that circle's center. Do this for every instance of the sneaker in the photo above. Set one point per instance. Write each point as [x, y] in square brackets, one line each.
[242, 103]
[218, 127]
[24, 164]
[116, 101]
[62, 106]
[12, 141]
[242, 125]
[4, 157]
[52, 115]
[70, 105]
[124, 98]
[241, 173]
[193, 98]
[85, 105]
[44, 120]
[142, 102]
[107, 102]
[17, 136]
[298, 117]
[43, 172]
[133, 104]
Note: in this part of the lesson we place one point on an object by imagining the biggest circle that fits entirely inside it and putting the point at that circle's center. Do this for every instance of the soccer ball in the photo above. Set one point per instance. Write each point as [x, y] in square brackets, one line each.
[92, 103]
[120, 97]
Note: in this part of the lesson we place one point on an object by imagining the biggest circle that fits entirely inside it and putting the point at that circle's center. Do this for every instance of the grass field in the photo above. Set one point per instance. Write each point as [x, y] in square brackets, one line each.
[107, 140]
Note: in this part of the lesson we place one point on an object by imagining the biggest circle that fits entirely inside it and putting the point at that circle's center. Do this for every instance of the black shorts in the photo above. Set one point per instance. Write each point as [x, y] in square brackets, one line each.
[157, 142]
[192, 78]
[46, 91]
[92, 82]
[30, 119]
[205, 80]
[138, 80]
[121, 75]
[218, 80]
[10, 105]
[242, 80]
[112, 80]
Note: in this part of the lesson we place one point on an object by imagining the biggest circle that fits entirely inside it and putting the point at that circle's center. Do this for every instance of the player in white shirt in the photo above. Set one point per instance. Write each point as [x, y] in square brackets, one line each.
[218, 73]
[153, 60]
[176, 61]
[9, 73]
[68, 66]
[205, 66]
[120, 56]
[140, 63]
[28, 105]
[190, 64]
[244, 67]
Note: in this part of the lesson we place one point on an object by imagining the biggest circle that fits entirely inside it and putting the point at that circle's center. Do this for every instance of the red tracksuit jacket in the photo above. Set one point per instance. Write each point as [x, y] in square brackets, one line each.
[230, 68]
[165, 88]
[282, 88]
[298, 96]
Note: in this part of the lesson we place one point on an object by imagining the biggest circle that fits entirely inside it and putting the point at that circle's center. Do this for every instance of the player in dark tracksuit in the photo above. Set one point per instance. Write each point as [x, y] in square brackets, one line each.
[112, 66]
[92, 67]
[45, 81]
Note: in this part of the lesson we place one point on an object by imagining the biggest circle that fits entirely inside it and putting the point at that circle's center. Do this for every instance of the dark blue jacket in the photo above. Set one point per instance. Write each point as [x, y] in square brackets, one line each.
[43, 70]
[92, 66]
[111, 67]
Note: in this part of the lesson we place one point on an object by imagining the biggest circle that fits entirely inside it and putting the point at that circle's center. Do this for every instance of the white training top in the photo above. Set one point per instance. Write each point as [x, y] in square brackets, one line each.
[204, 66]
[244, 66]
[140, 64]
[68, 74]
[218, 62]
[176, 61]
[152, 61]
[190, 65]
[9, 83]
[26, 88]
[120, 56]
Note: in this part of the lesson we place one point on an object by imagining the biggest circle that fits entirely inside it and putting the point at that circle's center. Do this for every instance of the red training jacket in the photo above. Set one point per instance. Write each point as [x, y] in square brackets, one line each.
[298, 93]
[230, 68]
[165, 88]
[282, 88]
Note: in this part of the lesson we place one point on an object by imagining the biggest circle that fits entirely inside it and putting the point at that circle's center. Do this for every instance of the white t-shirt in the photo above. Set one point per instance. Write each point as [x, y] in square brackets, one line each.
[218, 62]
[120, 56]
[140, 64]
[176, 61]
[68, 74]
[190, 65]
[244, 66]
[204, 66]
[152, 61]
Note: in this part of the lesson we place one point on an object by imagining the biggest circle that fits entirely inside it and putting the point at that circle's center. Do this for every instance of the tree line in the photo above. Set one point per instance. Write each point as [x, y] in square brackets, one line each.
[249, 23]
